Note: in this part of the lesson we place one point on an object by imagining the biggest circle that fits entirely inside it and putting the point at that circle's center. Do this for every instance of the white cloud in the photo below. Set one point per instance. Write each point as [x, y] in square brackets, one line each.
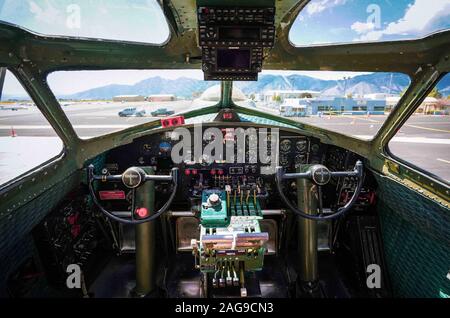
[318, 6]
[48, 14]
[418, 20]
[419, 16]
[362, 27]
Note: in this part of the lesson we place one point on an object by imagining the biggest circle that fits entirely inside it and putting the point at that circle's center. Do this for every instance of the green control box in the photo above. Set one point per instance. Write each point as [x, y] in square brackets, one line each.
[214, 209]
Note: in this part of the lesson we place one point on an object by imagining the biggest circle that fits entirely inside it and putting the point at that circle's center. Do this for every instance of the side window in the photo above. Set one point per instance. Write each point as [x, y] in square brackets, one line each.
[26, 138]
[424, 140]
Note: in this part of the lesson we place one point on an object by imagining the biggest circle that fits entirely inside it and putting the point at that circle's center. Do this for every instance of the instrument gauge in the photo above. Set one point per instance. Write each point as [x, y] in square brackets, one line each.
[165, 147]
[146, 148]
[315, 148]
[300, 159]
[301, 145]
[284, 160]
[285, 145]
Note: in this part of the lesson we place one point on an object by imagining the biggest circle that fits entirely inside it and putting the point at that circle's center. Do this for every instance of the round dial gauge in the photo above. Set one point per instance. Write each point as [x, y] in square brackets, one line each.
[146, 148]
[285, 145]
[300, 159]
[284, 160]
[315, 148]
[301, 145]
[165, 147]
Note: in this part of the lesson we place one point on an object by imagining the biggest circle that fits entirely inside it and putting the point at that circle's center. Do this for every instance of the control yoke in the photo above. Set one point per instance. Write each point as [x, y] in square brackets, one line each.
[132, 178]
[320, 175]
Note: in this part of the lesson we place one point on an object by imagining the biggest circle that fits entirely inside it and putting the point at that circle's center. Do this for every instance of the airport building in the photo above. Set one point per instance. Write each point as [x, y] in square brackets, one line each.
[128, 98]
[314, 106]
[272, 96]
[161, 98]
[430, 105]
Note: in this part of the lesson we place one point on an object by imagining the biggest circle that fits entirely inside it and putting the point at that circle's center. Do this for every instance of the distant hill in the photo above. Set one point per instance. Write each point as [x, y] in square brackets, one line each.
[185, 87]
[181, 87]
[361, 84]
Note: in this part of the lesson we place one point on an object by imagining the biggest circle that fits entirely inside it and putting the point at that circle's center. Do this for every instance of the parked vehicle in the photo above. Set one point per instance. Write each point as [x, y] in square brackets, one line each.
[131, 112]
[162, 112]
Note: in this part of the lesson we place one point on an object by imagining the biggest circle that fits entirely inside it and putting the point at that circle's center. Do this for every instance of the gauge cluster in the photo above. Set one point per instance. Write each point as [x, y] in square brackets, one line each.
[155, 150]
[297, 150]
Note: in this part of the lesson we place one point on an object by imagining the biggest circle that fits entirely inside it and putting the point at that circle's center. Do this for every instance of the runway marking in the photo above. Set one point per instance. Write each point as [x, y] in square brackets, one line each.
[422, 140]
[443, 160]
[427, 128]
[413, 140]
[50, 127]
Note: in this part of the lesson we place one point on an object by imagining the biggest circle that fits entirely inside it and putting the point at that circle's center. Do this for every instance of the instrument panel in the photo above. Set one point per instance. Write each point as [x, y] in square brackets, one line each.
[155, 150]
[253, 177]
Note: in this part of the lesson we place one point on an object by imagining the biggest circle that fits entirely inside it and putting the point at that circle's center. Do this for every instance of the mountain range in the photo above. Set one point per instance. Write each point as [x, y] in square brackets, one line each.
[393, 83]
[185, 87]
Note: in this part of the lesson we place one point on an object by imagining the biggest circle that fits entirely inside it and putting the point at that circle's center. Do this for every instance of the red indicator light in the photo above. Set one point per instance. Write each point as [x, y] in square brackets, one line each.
[194, 171]
[187, 172]
[220, 172]
[142, 212]
[172, 121]
[227, 116]
[213, 172]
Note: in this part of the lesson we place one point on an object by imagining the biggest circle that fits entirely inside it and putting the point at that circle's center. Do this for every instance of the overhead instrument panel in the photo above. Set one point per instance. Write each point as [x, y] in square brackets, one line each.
[233, 40]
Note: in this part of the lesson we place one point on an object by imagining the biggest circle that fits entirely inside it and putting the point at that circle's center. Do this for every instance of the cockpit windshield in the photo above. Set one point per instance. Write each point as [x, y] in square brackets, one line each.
[100, 102]
[352, 103]
[344, 21]
[137, 20]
